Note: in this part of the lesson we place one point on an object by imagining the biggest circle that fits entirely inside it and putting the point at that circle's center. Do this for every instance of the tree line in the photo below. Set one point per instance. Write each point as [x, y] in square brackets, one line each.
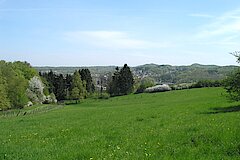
[14, 78]
[21, 85]
[69, 87]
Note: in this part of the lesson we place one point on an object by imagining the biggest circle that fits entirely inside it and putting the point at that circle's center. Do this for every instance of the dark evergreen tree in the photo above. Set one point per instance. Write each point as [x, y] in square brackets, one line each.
[114, 85]
[126, 80]
[122, 82]
[86, 76]
[60, 87]
[68, 84]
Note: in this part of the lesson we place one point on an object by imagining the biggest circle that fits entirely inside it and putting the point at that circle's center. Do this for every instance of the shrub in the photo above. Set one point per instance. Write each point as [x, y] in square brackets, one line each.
[35, 90]
[145, 83]
[50, 99]
[181, 86]
[158, 88]
[207, 83]
[232, 85]
[104, 96]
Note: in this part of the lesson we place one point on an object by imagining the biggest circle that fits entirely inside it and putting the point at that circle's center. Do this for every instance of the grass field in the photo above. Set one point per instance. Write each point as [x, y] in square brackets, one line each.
[187, 124]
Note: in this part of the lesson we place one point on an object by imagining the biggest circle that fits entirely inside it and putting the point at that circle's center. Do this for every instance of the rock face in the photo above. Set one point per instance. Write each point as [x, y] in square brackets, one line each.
[158, 88]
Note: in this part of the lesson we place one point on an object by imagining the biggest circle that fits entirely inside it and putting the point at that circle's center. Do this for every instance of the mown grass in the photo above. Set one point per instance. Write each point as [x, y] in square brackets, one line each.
[187, 124]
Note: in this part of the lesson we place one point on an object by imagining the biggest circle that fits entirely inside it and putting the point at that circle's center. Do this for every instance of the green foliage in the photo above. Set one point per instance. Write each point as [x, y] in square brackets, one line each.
[126, 80]
[145, 83]
[232, 85]
[182, 86]
[122, 82]
[86, 76]
[104, 95]
[35, 90]
[232, 82]
[16, 90]
[184, 124]
[62, 85]
[16, 82]
[78, 87]
[75, 94]
[160, 73]
[4, 101]
[207, 83]
[25, 69]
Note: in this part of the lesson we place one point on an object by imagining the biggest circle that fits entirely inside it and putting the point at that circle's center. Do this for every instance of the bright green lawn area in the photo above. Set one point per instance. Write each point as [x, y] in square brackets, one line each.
[170, 125]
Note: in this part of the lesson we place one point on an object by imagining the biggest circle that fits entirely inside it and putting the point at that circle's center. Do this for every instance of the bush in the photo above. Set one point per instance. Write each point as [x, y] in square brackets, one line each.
[51, 99]
[181, 86]
[145, 83]
[158, 88]
[207, 83]
[232, 85]
[104, 96]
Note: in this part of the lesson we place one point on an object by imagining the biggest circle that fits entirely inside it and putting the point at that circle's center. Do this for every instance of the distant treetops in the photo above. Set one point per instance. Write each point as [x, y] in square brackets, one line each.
[69, 87]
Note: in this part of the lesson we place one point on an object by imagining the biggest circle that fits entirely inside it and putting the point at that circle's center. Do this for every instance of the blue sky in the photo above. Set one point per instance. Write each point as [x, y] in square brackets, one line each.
[107, 32]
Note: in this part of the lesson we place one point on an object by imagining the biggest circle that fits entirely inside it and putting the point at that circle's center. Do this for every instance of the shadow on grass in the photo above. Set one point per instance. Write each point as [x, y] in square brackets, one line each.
[217, 110]
[224, 109]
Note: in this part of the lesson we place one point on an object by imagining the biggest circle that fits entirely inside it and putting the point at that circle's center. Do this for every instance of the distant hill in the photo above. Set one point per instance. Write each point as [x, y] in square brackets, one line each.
[161, 73]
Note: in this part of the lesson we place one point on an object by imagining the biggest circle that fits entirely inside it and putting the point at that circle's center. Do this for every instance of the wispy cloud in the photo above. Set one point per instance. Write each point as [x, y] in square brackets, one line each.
[200, 15]
[111, 40]
[226, 25]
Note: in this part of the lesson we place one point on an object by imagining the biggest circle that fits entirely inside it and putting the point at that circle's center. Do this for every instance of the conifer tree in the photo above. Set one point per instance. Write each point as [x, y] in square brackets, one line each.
[126, 80]
[77, 87]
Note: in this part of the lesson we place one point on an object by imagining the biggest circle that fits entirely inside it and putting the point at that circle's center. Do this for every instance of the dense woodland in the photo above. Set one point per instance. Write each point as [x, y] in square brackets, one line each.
[14, 81]
[21, 85]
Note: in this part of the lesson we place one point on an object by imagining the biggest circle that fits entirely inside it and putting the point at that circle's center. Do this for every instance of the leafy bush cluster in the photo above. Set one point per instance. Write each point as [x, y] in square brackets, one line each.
[14, 78]
[158, 88]
[182, 86]
[199, 84]
[232, 85]
[207, 83]
[146, 82]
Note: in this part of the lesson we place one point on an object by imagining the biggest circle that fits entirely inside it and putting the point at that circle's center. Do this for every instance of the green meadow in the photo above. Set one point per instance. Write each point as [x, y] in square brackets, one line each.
[185, 124]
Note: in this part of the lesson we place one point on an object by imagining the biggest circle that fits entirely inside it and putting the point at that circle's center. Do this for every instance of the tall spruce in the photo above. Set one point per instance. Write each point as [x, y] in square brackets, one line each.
[86, 76]
[60, 92]
[114, 85]
[122, 82]
[126, 80]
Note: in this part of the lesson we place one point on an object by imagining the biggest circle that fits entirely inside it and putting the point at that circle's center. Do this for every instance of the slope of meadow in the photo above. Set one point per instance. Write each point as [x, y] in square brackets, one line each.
[187, 124]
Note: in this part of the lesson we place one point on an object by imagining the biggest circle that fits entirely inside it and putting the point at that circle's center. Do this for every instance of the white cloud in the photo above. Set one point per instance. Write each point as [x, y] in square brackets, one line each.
[111, 40]
[226, 25]
[200, 15]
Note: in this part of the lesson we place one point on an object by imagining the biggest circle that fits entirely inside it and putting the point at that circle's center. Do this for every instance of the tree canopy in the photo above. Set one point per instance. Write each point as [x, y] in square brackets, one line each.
[122, 82]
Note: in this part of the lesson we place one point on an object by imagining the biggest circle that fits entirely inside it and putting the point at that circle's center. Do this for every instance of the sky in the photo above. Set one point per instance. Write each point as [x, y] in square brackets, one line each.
[111, 32]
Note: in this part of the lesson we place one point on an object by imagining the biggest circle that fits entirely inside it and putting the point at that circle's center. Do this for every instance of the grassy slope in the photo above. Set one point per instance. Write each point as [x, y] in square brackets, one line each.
[177, 124]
